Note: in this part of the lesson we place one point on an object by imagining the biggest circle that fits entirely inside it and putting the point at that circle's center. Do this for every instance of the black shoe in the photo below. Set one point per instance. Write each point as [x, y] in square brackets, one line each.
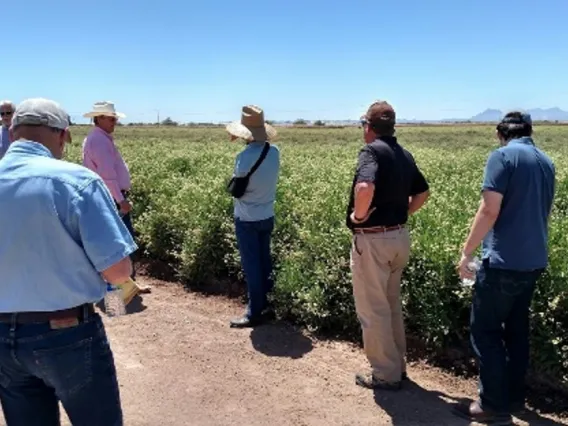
[245, 322]
[474, 413]
[369, 381]
[519, 410]
[268, 314]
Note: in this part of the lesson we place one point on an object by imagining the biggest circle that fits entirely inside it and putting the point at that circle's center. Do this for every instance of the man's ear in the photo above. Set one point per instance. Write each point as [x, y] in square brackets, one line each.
[11, 134]
[63, 137]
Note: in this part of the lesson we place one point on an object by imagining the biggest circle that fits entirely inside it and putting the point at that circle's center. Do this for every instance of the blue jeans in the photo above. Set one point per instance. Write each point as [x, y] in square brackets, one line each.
[40, 366]
[500, 335]
[253, 239]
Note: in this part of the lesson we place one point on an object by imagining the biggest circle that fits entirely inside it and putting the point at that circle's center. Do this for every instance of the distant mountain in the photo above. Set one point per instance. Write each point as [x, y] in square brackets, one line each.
[550, 114]
[537, 114]
[488, 115]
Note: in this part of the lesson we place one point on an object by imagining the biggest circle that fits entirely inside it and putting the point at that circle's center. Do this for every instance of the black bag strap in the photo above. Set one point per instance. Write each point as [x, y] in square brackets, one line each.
[260, 160]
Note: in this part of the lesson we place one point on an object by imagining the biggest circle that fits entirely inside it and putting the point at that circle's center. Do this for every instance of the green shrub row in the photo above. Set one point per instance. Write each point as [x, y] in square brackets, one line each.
[184, 217]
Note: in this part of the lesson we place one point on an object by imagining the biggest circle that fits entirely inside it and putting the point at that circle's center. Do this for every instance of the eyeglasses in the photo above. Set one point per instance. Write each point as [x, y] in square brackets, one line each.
[3, 113]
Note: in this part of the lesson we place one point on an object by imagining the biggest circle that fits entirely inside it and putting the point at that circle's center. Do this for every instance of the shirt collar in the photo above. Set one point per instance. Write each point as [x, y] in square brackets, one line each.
[526, 140]
[391, 140]
[102, 132]
[255, 143]
[27, 147]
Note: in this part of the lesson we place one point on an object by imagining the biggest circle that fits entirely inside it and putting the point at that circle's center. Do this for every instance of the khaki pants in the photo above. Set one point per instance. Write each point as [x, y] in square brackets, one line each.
[377, 261]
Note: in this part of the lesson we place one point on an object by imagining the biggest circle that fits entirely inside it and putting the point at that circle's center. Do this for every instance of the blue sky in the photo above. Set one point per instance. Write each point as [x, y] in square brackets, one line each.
[202, 60]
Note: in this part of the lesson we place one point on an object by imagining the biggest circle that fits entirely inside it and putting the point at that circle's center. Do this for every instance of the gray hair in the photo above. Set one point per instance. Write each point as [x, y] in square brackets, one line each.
[8, 103]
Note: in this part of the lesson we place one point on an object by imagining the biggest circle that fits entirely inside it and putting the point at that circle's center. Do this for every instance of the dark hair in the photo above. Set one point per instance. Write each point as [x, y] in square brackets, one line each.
[95, 121]
[515, 124]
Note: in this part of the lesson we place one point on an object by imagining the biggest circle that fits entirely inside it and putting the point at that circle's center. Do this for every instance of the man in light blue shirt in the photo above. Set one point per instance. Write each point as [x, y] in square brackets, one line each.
[64, 240]
[254, 210]
[6, 111]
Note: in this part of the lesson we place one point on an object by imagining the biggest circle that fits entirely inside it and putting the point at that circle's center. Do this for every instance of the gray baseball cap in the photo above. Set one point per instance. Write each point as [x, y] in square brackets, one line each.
[40, 112]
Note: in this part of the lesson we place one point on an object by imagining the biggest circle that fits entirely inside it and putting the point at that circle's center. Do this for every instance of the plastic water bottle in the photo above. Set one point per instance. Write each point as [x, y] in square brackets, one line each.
[114, 303]
[474, 266]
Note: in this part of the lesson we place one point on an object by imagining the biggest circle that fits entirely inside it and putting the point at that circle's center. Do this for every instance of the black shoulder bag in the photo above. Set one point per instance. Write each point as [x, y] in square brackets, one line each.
[238, 185]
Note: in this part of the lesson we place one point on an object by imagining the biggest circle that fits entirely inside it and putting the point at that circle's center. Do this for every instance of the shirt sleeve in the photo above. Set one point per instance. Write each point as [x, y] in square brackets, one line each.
[243, 163]
[419, 182]
[367, 166]
[105, 238]
[101, 154]
[238, 169]
[496, 176]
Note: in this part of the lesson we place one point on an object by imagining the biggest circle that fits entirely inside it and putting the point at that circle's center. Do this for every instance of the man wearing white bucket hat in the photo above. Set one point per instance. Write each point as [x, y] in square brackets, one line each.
[254, 190]
[101, 155]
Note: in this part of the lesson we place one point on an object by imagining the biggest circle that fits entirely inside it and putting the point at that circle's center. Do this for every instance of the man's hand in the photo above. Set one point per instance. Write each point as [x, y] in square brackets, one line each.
[363, 219]
[463, 267]
[125, 207]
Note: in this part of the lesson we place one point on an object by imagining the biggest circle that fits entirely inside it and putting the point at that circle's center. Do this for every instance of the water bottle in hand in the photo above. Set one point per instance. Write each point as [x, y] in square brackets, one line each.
[114, 303]
[473, 266]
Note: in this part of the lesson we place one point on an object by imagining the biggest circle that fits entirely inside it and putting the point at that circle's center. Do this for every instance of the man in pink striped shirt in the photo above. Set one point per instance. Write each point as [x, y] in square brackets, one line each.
[101, 155]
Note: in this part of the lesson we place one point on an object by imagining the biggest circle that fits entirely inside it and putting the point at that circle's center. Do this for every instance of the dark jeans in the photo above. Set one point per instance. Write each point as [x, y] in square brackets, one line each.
[40, 366]
[500, 334]
[253, 239]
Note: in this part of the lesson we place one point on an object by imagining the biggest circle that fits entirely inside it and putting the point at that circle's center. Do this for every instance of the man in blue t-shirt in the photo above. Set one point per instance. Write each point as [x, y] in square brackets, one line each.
[512, 221]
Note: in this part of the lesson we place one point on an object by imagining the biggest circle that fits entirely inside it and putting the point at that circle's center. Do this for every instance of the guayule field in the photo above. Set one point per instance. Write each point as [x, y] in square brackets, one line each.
[183, 217]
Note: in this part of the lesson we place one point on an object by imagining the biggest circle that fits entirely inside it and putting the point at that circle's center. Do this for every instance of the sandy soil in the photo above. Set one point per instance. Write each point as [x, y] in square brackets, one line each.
[179, 363]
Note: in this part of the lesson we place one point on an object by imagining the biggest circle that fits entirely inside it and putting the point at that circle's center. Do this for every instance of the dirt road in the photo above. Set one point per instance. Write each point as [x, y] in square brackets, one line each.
[180, 364]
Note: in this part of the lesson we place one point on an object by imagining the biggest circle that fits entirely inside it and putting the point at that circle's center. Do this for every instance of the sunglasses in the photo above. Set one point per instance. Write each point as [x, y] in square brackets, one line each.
[3, 113]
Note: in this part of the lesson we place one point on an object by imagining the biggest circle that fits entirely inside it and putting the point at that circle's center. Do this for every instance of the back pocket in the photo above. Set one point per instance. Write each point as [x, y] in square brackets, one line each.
[68, 369]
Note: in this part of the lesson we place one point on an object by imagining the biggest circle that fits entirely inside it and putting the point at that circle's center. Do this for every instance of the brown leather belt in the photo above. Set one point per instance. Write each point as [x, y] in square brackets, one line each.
[80, 312]
[377, 229]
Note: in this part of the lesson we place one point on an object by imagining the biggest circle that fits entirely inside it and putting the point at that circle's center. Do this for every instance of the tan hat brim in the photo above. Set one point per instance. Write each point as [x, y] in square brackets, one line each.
[107, 114]
[267, 132]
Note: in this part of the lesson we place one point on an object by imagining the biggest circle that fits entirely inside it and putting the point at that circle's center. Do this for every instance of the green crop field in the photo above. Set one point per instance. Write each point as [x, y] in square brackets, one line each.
[183, 217]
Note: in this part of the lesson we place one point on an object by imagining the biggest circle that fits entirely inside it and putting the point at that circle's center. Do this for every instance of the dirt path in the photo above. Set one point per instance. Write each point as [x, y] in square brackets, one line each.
[180, 364]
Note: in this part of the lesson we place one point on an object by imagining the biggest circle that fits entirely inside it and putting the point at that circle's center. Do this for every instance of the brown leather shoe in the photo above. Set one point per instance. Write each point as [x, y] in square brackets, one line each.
[474, 413]
[369, 381]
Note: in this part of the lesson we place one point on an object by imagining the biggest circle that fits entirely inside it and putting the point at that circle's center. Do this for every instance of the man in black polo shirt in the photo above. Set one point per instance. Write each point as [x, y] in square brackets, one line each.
[387, 188]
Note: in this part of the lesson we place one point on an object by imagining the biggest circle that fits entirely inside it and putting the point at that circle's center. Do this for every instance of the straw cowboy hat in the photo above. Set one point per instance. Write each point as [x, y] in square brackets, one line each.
[103, 108]
[252, 125]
